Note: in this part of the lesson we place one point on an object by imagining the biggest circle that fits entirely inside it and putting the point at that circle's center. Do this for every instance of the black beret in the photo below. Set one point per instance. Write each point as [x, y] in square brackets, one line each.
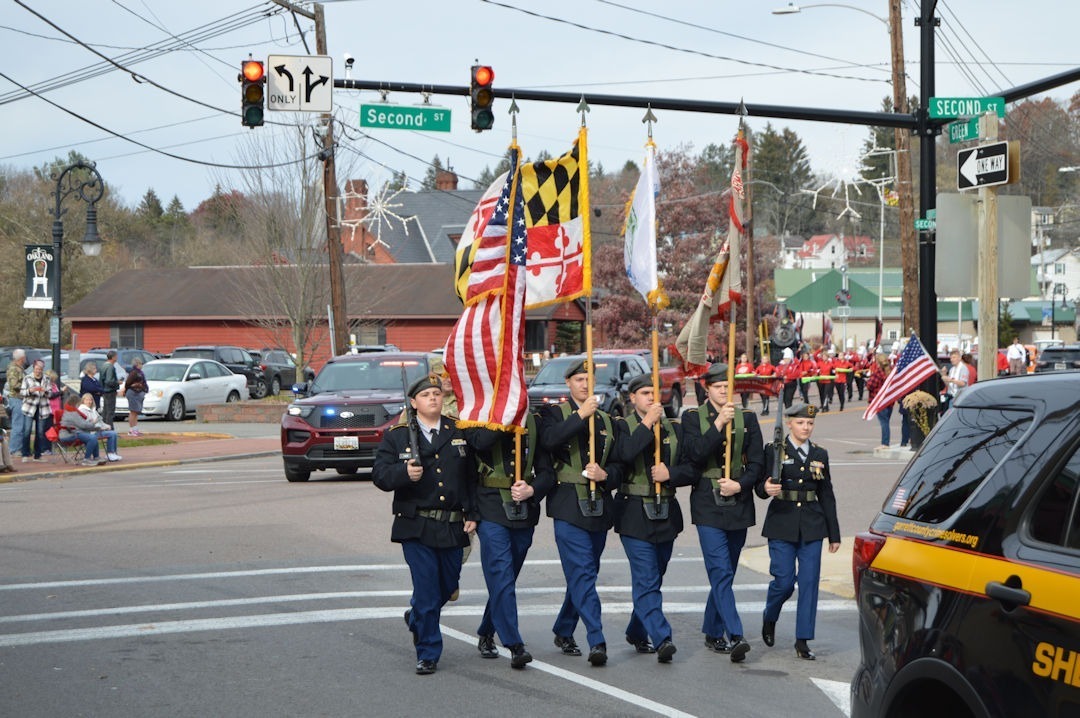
[716, 372]
[639, 382]
[800, 411]
[579, 367]
[431, 381]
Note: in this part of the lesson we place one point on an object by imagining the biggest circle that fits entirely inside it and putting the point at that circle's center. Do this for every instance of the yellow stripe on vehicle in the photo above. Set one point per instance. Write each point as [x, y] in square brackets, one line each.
[1052, 592]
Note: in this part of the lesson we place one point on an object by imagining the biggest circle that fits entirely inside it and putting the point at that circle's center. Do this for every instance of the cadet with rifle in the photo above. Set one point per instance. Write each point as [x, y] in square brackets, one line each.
[802, 512]
[427, 464]
[722, 500]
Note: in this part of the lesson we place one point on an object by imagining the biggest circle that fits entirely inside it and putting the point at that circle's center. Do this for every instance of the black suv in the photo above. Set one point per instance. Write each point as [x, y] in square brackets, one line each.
[278, 366]
[968, 581]
[1059, 358]
[238, 360]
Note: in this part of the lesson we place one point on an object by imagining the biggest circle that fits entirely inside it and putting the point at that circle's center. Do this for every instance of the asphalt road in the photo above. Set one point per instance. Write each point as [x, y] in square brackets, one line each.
[221, 589]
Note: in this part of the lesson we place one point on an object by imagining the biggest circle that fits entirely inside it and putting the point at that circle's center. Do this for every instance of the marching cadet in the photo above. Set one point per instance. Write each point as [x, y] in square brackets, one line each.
[428, 466]
[722, 507]
[581, 516]
[802, 512]
[647, 522]
[509, 511]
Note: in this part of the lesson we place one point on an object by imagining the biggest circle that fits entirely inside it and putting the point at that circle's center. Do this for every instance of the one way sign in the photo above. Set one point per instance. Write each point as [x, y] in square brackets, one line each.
[983, 166]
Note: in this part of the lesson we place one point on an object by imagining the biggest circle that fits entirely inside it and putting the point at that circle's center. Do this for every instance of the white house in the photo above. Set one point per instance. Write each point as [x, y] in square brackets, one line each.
[1058, 273]
[826, 251]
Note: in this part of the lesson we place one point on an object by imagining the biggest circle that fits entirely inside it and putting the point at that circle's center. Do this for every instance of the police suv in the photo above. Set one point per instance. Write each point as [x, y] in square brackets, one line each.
[968, 581]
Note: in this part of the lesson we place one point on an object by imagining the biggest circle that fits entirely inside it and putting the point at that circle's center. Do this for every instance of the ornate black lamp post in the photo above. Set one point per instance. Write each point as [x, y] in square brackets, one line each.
[89, 187]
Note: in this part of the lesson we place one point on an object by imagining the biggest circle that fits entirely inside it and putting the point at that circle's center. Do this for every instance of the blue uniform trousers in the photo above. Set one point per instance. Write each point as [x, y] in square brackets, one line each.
[579, 552]
[435, 575]
[648, 563]
[721, 549]
[502, 553]
[783, 556]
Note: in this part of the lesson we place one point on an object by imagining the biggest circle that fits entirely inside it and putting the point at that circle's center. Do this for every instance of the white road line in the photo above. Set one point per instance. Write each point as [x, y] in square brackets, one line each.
[633, 699]
[838, 692]
[338, 615]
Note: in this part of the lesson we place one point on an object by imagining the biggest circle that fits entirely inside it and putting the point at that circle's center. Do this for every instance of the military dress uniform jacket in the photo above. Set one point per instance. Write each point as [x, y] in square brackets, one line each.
[791, 517]
[489, 500]
[447, 488]
[699, 447]
[556, 436]
[630, 519]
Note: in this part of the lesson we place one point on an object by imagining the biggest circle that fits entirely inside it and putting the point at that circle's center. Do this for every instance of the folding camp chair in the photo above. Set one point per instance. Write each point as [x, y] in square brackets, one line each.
[70, 450]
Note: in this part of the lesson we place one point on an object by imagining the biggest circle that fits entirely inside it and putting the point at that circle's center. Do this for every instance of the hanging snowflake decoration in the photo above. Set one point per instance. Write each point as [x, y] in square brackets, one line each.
[381, 209]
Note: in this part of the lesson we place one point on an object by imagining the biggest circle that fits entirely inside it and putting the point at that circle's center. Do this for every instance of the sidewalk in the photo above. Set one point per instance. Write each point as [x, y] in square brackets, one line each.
[192, 443]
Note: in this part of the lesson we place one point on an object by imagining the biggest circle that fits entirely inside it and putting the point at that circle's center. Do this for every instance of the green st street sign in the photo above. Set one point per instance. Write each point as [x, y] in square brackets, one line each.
[947, 108]
[404, 117]
[963, 130]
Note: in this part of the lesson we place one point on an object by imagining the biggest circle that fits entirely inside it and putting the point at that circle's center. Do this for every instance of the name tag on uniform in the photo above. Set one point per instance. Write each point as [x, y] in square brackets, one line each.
[788, 462]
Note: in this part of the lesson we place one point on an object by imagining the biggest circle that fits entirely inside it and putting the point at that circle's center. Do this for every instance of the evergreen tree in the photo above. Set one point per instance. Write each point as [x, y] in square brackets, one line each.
[780, 169]
[150, 207]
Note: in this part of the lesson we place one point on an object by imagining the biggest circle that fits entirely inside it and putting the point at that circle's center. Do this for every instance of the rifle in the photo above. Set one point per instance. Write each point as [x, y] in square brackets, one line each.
[410, 418]
[778, 451]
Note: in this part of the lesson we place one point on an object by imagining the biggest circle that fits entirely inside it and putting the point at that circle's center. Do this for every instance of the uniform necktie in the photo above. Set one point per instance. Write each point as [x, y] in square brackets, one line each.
[803, 455]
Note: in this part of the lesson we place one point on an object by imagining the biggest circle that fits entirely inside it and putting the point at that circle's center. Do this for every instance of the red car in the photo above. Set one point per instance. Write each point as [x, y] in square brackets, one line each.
[338, 419]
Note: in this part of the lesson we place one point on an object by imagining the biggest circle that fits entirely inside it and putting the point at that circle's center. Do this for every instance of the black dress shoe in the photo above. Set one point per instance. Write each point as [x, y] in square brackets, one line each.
[641, 645]
[408, 623]
[803, 651]
[665, 651]
[567, 645]
[486, 646]
[768, 632]
[598, 654]
[426, 668]
[739, 649]
[718, 644]
[519, 656]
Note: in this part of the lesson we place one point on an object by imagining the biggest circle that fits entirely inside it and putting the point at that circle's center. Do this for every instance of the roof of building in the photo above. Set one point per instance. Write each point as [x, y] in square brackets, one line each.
[816, 243]
[789, 281]
[433, 219]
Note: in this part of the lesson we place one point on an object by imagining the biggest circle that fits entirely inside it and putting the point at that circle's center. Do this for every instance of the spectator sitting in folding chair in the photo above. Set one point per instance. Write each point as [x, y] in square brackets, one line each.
[76, 429]
[88, 410]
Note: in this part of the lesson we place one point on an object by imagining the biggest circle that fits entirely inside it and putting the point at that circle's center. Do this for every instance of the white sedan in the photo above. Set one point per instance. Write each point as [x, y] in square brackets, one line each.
[177, 386]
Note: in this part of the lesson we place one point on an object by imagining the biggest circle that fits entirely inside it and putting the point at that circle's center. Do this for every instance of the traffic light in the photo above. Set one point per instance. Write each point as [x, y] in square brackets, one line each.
[482, 96]
[252, 94]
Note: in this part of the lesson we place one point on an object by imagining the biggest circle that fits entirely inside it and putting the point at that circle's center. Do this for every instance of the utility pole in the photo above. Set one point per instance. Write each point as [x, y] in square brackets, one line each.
[909, 255]
[333, 227]
[338, 317]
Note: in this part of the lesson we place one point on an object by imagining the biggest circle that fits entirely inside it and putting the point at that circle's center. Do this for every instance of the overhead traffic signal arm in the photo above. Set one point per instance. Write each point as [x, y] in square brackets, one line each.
[252, 92]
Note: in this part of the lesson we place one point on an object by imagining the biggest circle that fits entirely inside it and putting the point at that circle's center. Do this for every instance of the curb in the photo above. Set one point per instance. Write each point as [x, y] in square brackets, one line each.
[82, 470]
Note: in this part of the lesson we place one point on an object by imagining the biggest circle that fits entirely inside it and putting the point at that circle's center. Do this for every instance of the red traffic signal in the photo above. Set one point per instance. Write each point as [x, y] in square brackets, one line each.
[252, 92]
[481, 97]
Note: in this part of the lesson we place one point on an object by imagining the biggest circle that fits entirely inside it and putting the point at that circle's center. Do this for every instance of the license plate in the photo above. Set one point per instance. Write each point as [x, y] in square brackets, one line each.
[1060, 366]
[346, 443]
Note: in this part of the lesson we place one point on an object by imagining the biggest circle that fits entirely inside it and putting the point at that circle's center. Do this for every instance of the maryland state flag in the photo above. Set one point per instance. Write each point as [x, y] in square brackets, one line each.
[556, 194]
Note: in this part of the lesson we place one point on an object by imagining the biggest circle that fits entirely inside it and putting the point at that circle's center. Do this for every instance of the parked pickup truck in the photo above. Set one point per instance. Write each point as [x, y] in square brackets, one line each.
[672, 380]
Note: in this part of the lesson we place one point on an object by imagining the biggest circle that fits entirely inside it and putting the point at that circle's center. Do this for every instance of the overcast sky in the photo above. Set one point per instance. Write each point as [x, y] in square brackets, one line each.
[714, 50]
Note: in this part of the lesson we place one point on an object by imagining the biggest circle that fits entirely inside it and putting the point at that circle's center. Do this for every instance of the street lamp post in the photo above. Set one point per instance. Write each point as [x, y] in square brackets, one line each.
[1053, 306]
[89, 189]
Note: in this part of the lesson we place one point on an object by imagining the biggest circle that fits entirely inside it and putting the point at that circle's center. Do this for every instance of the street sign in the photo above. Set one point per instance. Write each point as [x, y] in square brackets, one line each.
[405, 117]
[931, 213]
[983, 166]
[963, 130]
[946, 108]
[925, 225]
[301, 83]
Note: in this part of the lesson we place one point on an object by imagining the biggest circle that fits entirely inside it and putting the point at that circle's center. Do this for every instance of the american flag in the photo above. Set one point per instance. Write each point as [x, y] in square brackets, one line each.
[484, 352]
[913, 367]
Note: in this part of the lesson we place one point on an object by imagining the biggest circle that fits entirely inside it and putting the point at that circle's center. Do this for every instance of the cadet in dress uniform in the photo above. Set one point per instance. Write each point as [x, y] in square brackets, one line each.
[564, 433]
[434, 500]
[509, 511]
[648, 527]
[721, 507]
[802, 512]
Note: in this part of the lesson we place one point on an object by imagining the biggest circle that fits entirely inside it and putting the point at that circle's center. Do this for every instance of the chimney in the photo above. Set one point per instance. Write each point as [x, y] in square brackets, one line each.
[355, 200]
[445, 180]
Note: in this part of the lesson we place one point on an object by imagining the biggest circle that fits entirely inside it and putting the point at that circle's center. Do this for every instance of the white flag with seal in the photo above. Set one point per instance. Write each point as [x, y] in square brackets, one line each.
[640, 234]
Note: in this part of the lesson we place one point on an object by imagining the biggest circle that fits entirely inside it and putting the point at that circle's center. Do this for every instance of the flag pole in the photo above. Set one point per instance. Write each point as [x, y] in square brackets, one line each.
[731, 353]
[656, 397]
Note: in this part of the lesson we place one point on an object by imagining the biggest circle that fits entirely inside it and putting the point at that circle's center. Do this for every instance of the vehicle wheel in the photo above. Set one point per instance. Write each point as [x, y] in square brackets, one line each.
[177, 411]
[675, 409]
[347, 470]
[234, 396]
[260, 389]
[275, 386]
[295, 473]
